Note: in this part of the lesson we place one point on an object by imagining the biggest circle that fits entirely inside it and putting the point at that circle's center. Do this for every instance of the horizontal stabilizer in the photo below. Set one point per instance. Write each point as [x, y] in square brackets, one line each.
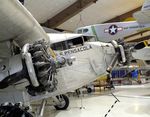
[146, 5]
[143, 16]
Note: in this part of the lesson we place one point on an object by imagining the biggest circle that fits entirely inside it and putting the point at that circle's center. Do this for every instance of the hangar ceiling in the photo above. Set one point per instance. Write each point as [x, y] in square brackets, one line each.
[99, 12]
[42, 10]
[67, 13]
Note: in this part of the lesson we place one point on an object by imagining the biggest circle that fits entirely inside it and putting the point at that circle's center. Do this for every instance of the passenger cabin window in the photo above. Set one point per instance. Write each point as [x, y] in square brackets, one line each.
[68, 44]
[147, 62]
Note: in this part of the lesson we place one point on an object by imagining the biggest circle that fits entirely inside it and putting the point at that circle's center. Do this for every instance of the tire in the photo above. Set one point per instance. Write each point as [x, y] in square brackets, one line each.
[66, 104]
[89, 90]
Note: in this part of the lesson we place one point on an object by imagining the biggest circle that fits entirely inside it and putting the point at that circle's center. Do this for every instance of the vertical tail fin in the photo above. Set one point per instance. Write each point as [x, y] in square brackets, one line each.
[146, 5]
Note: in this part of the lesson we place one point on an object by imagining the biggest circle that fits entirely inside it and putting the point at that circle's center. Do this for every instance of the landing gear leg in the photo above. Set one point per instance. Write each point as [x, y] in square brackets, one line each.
[42, 107]
[62, 102]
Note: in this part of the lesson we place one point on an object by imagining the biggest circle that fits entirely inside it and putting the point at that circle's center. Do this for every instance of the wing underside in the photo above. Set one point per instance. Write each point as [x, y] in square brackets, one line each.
[16, 23]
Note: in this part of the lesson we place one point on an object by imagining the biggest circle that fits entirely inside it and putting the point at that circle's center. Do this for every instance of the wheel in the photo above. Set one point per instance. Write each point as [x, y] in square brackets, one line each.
[65, 103]
[89, 90]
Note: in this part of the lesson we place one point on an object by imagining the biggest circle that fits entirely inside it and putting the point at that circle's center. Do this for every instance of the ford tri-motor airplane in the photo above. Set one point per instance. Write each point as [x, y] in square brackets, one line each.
[31, 71]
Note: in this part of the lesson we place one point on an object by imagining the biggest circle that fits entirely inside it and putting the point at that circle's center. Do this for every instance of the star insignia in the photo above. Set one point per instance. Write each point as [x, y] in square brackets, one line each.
[113, 29]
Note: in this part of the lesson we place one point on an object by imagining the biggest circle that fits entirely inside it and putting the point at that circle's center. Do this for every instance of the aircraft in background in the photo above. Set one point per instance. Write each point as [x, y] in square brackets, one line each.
[118, 30]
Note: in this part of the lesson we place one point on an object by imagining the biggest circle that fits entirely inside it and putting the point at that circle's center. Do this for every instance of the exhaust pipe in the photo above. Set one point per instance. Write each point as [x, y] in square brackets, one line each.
[28, 60]
[122, 53]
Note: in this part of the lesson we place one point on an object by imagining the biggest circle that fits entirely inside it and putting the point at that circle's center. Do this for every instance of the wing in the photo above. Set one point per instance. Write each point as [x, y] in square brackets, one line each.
[16, 23]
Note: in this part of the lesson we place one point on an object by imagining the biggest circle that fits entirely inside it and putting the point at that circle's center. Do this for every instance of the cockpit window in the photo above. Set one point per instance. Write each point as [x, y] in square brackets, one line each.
[68, 44]
[85, 30]
[59, 46]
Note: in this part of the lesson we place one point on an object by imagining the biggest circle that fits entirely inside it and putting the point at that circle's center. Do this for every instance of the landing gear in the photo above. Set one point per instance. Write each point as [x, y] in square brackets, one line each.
[64, 102]
[61, 102]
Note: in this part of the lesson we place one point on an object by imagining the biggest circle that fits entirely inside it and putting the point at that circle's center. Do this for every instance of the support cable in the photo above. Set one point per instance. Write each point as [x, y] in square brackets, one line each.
[112, 106]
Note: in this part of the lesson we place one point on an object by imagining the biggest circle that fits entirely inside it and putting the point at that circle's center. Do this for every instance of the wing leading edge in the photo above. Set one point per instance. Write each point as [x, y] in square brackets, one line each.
[18, 24]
